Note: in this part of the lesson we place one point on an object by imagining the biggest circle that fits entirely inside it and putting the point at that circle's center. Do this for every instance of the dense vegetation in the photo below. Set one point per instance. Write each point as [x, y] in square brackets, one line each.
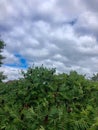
[2, 44]
[44, 100]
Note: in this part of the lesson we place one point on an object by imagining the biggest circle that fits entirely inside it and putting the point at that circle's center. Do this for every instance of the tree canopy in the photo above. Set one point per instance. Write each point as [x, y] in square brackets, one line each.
[2, 44]
[44, 100]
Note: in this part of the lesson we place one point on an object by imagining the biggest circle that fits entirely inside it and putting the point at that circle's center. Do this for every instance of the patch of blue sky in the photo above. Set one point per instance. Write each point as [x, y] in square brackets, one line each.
[22, 62]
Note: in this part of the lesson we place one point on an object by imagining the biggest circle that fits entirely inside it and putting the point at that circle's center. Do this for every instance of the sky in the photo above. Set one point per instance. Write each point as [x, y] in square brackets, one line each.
[61, 34]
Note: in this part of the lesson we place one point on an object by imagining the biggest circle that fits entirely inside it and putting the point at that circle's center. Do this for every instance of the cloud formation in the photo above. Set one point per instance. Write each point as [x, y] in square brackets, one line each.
[61, 34]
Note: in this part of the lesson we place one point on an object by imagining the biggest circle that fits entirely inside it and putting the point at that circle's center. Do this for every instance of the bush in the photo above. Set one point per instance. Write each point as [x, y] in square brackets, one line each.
[44, 100]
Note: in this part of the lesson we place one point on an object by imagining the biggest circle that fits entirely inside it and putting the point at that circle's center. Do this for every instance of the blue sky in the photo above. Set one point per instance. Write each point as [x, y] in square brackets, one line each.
[21, 64]
[61, 34]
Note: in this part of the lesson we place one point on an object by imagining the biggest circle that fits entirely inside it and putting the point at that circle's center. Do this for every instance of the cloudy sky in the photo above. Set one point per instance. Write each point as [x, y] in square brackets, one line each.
[61, 34]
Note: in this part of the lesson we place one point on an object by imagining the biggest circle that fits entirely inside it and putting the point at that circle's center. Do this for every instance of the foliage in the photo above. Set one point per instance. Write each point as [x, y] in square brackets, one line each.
[44, 100]
[95, 77]
[1, 58]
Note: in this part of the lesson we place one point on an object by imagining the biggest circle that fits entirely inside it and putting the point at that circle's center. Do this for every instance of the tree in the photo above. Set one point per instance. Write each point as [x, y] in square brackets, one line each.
[45, 100]
[1, 58]
[94, 77]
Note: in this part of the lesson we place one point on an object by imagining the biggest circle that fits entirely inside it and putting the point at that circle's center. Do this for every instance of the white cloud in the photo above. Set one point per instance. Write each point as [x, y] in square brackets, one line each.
[9, 58]
[11, 72]
[87, 24]
[61, 34]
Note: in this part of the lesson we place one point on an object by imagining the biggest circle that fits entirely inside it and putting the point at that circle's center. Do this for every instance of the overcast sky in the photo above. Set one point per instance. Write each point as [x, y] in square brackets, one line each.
[61, 34]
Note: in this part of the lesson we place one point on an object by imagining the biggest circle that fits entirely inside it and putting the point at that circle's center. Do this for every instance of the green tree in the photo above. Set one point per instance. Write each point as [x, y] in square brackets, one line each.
[94, 77]
[1, 58]
[45, 100]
